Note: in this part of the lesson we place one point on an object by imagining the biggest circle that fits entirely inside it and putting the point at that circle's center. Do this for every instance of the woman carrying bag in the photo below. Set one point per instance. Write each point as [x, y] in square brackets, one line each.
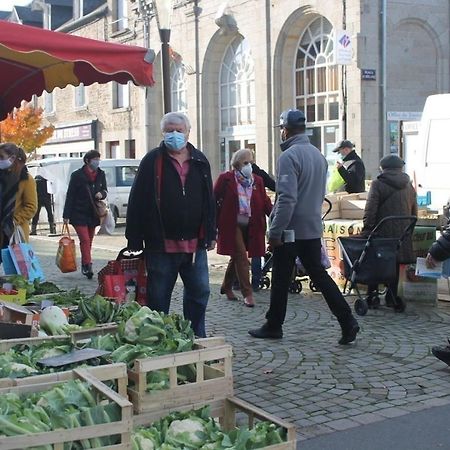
[18, 197]
[87, 186]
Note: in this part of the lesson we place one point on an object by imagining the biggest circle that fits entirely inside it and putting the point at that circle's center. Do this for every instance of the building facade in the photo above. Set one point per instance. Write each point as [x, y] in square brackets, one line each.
[237, 64]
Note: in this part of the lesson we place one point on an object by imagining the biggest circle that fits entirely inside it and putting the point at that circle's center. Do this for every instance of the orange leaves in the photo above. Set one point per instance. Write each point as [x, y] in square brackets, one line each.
[24, 128]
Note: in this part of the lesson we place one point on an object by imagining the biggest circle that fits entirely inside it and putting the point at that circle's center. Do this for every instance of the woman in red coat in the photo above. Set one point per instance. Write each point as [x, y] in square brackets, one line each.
[242, 204]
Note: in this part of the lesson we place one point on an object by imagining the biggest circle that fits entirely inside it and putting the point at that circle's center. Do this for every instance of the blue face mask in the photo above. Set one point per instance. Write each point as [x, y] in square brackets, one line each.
[5, 164]
[174, 140]
[94, 163]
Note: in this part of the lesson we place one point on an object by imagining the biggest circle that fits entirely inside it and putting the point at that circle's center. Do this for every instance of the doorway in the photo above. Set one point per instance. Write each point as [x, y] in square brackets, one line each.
[231, 144]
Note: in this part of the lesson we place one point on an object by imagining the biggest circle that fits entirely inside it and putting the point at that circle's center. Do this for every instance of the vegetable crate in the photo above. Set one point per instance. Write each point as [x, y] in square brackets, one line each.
[107, 372]
[213, 377]
[57, 438]
[232, 412]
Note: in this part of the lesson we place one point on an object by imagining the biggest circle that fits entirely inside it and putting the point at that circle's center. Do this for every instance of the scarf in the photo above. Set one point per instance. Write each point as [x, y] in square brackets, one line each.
[244, 189]
[9, 184]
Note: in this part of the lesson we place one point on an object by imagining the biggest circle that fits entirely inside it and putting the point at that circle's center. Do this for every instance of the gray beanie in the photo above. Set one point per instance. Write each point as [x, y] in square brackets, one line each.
[392, 162]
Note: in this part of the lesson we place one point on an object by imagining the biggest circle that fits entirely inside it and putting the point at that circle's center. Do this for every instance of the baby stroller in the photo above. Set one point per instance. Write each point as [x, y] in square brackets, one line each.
[372, 260]
[298, 274]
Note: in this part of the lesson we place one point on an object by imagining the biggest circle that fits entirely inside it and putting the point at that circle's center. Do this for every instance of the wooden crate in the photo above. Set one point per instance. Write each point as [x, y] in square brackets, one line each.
[229, 411]
[106, 372]
[58, 437]
[214, 378]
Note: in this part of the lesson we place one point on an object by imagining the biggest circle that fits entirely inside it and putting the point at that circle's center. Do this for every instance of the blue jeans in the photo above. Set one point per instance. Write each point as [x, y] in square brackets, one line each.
[162, 273]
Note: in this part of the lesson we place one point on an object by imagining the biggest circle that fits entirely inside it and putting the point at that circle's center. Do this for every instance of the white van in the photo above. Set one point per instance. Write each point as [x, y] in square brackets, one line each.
[119, 174]
[433, 152]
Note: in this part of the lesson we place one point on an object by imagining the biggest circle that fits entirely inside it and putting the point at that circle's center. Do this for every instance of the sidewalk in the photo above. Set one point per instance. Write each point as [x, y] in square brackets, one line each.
[336, 396]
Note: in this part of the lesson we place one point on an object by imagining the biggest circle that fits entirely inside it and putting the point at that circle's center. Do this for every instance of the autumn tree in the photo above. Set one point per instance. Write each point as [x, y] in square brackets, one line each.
[24, 128]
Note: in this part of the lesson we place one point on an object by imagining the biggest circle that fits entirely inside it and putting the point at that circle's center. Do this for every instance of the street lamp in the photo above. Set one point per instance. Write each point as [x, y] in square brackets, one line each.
[163, 9]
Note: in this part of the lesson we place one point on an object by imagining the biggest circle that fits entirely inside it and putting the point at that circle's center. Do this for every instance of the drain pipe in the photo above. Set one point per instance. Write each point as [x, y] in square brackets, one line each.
[383, 88]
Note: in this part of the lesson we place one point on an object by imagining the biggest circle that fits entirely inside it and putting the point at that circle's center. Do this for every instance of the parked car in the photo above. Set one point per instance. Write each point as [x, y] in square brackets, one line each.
[119, 173]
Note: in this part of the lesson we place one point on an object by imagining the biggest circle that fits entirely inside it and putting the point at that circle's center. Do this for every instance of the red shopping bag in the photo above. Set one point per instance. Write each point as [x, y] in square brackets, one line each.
[125, 268]
[114, 287]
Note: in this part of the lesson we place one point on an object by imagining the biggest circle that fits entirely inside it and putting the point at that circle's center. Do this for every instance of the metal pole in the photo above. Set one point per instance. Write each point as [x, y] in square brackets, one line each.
[384, 65]
[164, 34]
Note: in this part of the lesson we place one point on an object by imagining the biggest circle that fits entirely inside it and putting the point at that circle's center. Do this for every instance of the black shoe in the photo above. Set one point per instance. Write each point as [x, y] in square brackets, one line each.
[33, 232]
[442, 352]
[265, 332]
[349, 332]
[86, 270]
[52, 228]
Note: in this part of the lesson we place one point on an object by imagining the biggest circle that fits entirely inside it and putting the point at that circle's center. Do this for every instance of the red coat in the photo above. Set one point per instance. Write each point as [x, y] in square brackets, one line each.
[225, 192]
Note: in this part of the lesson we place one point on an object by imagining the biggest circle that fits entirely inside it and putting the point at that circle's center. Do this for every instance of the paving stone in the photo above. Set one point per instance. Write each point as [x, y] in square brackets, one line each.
[388, 372]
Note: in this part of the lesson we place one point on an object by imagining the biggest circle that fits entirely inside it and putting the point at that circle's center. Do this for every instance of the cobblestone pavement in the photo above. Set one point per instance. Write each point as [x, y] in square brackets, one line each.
[307, 378]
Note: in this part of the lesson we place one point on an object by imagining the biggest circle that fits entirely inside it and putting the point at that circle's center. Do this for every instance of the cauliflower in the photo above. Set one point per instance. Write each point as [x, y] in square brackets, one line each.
[188, 432]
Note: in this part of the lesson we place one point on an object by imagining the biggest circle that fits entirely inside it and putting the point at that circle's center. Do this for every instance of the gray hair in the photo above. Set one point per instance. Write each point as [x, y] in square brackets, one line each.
[175, 118]
[238, 156]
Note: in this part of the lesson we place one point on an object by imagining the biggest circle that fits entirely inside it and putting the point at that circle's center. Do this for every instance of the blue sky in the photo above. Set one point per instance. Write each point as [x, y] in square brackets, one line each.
[7, 5]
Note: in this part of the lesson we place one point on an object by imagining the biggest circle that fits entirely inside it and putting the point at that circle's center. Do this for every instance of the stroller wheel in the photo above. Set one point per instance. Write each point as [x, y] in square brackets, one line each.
[313, 287]
[265, 283]
[361, 307]
[295, 287]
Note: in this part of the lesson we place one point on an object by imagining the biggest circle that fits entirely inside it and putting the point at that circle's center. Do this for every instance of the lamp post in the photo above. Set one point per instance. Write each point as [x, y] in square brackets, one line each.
[163, 9]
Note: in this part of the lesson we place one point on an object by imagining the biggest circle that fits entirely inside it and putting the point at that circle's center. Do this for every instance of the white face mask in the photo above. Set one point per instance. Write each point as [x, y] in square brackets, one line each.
[246, 170]
[5, 164]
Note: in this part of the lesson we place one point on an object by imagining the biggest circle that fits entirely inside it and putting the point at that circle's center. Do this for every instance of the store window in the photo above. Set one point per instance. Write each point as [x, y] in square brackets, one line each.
[112, 149]
[80, 96]
[120, 15]
[316, 77]
[121, 95]
[237, 86]
[178, 87]
[49, 104]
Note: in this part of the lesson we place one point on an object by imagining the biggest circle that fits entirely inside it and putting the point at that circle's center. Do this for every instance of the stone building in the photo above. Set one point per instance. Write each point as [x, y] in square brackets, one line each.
[237, 64]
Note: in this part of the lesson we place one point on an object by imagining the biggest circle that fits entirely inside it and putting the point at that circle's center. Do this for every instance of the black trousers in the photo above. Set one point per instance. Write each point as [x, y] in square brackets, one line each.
[283, 264]
[46, 202]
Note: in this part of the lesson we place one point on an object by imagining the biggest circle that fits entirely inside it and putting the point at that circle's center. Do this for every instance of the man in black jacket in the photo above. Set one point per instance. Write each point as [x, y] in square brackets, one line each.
[171, 214]
[351, 168]
[440, 251]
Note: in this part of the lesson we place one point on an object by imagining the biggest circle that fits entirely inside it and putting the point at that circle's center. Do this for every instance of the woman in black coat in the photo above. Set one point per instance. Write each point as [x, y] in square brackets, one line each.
[86, 185]
[391, 194]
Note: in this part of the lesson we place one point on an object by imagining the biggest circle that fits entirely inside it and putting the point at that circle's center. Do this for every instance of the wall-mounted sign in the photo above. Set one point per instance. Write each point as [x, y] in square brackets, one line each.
[368, 74]
[398, 116]
[343, 47]
[82, 132]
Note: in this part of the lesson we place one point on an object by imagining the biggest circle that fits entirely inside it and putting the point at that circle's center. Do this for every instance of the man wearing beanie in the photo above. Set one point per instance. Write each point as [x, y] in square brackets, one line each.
[391, 194]
[351, 169]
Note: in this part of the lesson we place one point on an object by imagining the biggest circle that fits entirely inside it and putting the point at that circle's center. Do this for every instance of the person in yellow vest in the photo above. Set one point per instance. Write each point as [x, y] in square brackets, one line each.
[18, 196]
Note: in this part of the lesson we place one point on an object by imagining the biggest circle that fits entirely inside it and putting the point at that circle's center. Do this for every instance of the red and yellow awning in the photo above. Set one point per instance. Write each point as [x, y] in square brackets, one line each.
[33, 60]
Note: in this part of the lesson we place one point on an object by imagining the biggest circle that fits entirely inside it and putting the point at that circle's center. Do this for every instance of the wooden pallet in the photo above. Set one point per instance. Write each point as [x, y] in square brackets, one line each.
[214, 378]
[227, 411]
[58, 437]
[7, 344]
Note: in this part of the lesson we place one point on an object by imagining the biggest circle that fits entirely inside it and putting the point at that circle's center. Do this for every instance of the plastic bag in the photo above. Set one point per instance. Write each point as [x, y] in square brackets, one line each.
[108, 224]
[336, 181]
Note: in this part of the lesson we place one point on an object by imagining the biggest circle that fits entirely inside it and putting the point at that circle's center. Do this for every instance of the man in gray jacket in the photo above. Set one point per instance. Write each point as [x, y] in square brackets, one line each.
[296, 229]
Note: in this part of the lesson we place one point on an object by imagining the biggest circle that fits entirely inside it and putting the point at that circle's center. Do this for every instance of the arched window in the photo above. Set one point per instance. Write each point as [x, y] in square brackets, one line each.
[316, 77]
[237, 86]
[178, 87]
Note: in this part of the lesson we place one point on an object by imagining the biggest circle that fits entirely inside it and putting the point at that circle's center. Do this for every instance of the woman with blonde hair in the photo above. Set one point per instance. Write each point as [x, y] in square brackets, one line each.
[18, 197]
[242, 204]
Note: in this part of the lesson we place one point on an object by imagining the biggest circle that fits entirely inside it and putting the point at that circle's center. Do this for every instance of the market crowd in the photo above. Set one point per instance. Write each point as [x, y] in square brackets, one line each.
[176, 215]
